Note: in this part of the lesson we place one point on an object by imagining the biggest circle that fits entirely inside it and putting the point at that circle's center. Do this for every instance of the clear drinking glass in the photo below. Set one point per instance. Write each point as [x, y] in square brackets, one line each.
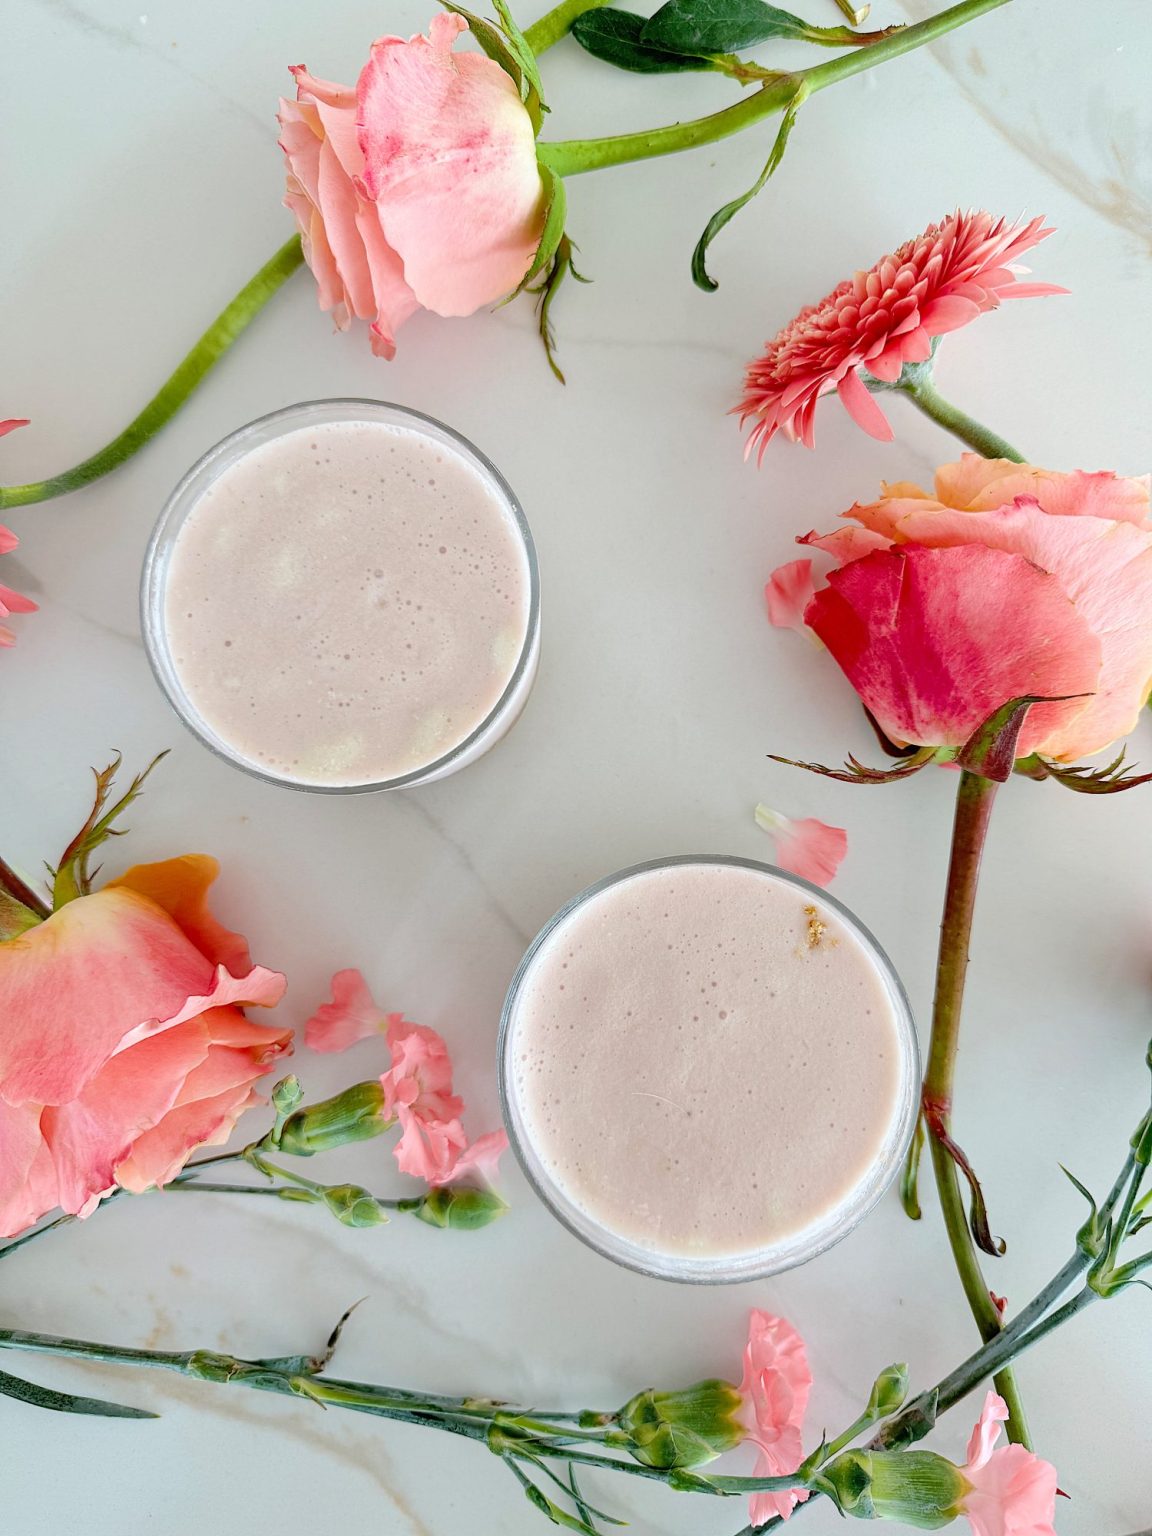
[798, 1247]
[229, 451]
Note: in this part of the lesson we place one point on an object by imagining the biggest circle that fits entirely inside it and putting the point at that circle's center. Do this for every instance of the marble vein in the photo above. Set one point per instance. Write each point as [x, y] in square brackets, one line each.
[421, 812]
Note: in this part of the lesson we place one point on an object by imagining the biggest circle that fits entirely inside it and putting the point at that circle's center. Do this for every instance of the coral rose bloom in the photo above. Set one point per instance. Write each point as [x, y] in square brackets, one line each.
[1008, 580]
[418, 189]
[881, 319]
[123, 1047]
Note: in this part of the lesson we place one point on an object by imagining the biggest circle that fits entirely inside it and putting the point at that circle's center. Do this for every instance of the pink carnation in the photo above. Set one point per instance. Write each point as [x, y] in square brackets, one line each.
[1011, 1491]
[775, 1388]
[350, 1017]
[878, 320]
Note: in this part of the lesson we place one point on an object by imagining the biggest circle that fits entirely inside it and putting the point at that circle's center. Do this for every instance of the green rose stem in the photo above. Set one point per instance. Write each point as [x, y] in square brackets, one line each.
[558, 22]
[924, 394]
[572, 157]
[216, 340]
[565, 158]
[974, 799]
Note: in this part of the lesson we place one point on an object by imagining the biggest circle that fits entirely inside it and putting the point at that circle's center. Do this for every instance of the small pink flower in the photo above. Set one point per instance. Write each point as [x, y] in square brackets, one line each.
[350, 1017]
[11, 602]
[418, 1091]
[808, 848]
[775, 1388]
[1011, 1492]
[418, 188]
[880, 319]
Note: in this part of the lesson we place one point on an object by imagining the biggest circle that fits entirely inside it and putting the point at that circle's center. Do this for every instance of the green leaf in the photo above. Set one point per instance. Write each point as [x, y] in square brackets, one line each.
[509, 49]
[524, 54]
[66, 1402]
[547, 290]
[73, 878]
[990, 751]
[720, 26]
[555, 214]
[615, 37]
[716, 223]
[910, 1175]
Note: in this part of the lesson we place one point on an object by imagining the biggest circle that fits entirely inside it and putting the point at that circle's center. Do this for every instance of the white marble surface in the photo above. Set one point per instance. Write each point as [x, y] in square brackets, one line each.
[142, 186]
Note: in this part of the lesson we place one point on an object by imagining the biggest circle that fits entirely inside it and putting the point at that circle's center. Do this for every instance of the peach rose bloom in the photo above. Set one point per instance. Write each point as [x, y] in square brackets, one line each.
[418, 188]
[1005, 580]
[124, 1047]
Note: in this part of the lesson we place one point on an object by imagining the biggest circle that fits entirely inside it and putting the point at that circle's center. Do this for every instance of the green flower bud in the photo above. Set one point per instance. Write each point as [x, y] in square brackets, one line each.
[685, 1428]
[888, 1392]
[357, 1114]
[918, 1488]
[286, 1095]
[458, 1207]
[354, 1206]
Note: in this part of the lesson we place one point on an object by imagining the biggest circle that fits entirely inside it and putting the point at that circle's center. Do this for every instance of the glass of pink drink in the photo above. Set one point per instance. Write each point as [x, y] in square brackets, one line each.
[343, 596]
[708, 1069]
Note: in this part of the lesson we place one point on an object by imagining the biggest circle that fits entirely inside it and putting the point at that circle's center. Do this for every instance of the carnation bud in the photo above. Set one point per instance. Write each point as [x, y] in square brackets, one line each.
[458, 1207]
[888, 1392]
[354, 1206]
[918, 1488]
[685, 1428]
[354, 1115]
[286, 1095]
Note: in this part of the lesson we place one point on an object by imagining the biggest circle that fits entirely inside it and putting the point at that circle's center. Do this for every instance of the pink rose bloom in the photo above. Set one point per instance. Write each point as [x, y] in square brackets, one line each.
[775, 1389]
[124, 1047]
[880, 319]
[11, 602]
[915, 606]
[418, 189]
[1011, 1491]
[808, 847]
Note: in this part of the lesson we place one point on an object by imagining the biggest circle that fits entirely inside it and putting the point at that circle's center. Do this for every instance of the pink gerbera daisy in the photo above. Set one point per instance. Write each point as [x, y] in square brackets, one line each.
[883, 318]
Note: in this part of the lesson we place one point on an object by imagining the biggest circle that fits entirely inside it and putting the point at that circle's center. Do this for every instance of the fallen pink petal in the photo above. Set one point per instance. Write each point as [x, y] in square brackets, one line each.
[806, 847]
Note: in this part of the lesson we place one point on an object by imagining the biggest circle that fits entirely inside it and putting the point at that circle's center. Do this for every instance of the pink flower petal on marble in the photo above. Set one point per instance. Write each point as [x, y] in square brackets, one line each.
[350, 1017]
[807, 847]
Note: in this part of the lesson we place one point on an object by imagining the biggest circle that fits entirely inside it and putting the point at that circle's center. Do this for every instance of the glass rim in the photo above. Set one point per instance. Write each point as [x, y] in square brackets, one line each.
[186, 494]
[754, 1264]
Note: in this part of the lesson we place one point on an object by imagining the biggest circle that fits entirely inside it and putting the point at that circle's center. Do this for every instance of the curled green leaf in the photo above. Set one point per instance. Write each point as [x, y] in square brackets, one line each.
[700, 274]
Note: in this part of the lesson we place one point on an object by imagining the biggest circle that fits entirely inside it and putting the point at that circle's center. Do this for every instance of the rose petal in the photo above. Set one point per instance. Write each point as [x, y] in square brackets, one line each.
[920, 635]
[808, 848]
[789, 590]
[450, 159]
[180, 886]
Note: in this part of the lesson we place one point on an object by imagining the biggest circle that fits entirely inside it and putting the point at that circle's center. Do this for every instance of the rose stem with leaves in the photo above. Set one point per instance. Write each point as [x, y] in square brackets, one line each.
[565, 158]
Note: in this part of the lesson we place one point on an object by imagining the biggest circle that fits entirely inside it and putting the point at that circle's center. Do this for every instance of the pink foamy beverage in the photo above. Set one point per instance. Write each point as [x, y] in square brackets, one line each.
[709, 1069]
[343, 596]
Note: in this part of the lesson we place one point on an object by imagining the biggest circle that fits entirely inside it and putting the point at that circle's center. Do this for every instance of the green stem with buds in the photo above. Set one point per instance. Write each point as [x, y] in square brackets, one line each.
[923, 393]
[974, 801]
[572, 157]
